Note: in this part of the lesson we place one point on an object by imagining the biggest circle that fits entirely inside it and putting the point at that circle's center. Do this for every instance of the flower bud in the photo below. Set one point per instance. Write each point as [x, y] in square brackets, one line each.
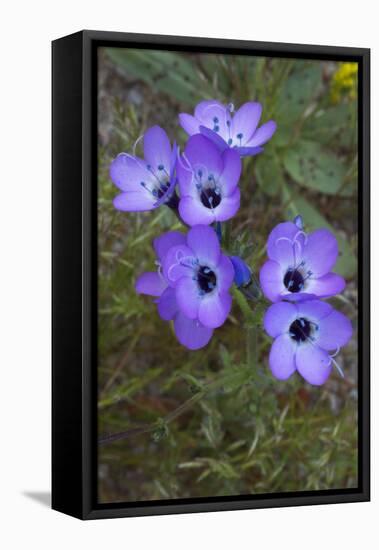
[242, 272]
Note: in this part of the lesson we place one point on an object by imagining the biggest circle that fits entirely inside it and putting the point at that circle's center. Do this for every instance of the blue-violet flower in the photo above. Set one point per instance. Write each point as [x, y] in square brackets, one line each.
[146, 184]
[189, 332]
[305, 335]
[208, 182]
[300, 264]
[225, 128]
[201, 276]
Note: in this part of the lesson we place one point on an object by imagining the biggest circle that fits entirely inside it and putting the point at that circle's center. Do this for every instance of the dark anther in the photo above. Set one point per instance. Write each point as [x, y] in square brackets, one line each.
[300, 330]
[293, 280]
[210, 197]
[206, 279]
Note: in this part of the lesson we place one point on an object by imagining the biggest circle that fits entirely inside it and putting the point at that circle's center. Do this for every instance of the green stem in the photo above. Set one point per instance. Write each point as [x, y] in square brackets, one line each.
[243, 305]
[251, 347]
[251, 320]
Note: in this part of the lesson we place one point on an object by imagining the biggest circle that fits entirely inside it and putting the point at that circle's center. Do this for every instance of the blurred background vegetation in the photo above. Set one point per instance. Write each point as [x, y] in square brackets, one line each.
[240, 431]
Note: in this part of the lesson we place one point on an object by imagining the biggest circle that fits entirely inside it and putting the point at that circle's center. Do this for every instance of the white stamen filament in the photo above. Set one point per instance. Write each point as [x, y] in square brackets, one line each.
[181, 260]
[340, 371]
[294, 242]
[136, 143]
[331, 358]
[189, 166]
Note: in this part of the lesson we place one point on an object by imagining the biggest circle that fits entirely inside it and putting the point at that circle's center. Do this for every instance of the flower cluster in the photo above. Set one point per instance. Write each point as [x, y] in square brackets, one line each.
[295, 277]
[192, 283]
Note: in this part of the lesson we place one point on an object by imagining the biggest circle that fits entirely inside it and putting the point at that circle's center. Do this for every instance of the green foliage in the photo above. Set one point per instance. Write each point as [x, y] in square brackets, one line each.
[269, 174]
[295, 97]
[215, 422]
[309, 165]
[166, 72]
[327, 125]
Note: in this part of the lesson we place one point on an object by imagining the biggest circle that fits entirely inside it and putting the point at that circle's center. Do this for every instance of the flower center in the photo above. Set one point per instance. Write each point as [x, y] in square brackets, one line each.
[162, 189]
[210, 197]
[206, 279]
[300, 330]
[293, 280]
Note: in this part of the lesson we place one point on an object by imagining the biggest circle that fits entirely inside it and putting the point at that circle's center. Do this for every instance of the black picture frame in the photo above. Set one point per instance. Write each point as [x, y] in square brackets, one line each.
[74, 273]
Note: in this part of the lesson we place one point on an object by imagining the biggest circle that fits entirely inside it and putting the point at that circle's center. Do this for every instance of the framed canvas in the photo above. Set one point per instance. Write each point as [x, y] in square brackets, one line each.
[210, 275]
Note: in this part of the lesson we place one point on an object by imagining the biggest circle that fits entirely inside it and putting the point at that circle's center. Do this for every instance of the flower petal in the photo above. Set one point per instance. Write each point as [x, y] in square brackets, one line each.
[208, 109]
[150, 283]
[157, 149]
[248, 151]
[174, 159]
[225, 273]
[137, 201]
[127, 172]
[245, 122]
[188, 297]
[297, 296]
[179, 261]
[191, 333]
[164, 242]
[271, 279]
[189, 124]
[278, 318]
[313, 363]
[228, 206]
[214, 309]
[215, 116]
[204, 158]
[263, 134]
[314, 310]
[167, 306]
[193, 212]
[232, 171]
[282, 357]
[334, 331]
[215, 138]
[320, 252]
[327, 285]
[204, 242]
[186, 178]
[285, 244]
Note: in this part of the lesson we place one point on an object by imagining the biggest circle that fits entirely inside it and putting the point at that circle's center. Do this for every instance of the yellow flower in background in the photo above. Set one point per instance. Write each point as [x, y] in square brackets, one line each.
[344, 82]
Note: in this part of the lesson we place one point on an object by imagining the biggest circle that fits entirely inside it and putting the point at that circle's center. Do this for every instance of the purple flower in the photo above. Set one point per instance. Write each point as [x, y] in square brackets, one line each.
[208, 182]
[305, 335]
[146, 184]
[190, 332]
[299, 265]
[240, 131]
[201, 276]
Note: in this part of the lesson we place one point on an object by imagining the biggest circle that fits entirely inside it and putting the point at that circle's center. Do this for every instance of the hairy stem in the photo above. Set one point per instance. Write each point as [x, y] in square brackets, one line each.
[252, 327]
